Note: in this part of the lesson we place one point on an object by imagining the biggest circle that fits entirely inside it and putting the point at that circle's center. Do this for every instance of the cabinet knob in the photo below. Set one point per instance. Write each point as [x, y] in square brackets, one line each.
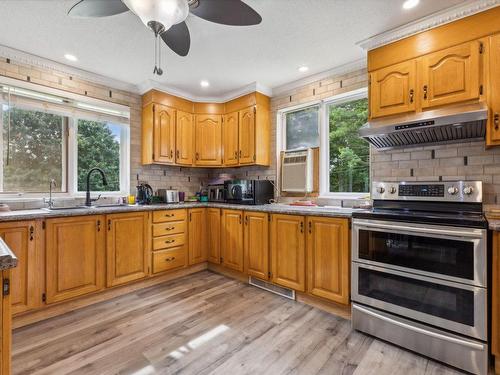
[170, 259]
[425, 91]
[236, 154]
[411, 95]
[197, 156]
[169, 241]
[169, 228]
[301, 227]
[171, 154]
[177, 154]
[496, 120]
[240, 153]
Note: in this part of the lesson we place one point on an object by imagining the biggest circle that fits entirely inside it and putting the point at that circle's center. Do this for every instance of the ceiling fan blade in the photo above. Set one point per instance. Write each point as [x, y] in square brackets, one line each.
[97, 8]
[178, 38]
[226, 12]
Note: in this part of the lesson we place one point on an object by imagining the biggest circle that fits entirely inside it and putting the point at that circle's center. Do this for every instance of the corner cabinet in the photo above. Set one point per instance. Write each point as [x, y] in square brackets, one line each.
[208, 129]
[128, 247]
[75, 256]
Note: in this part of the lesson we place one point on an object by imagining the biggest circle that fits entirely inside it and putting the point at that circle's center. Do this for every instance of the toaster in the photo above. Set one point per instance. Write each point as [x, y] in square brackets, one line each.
[169, 196]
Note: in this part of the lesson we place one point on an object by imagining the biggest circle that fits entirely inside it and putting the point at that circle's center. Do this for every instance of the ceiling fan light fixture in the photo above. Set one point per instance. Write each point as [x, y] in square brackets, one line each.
[165, 12]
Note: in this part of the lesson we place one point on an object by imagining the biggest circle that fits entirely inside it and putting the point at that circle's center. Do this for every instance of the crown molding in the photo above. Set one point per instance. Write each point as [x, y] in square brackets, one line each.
[41, 62]
[153, 85]
[339, 70]
[442, 17]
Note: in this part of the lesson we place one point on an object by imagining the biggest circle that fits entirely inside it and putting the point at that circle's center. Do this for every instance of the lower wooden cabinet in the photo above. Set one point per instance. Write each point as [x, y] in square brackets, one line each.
[197, 230]
[75, 256]
[213, 234]
[21, 238]
[328, 258]
[288, 251]
[169, 259]
[127, 247]
[6, 326]
[256, 244]
[232, 239]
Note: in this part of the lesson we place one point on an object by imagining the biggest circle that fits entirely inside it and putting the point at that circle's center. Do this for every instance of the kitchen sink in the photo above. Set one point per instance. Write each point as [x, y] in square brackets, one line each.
[62, 208]
[106, 205]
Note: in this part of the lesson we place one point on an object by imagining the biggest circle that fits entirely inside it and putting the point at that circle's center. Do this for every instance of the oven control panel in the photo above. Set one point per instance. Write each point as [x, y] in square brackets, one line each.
[448, 191]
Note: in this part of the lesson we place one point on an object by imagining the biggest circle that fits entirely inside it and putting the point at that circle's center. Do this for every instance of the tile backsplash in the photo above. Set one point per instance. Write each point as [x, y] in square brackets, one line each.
[457, 161]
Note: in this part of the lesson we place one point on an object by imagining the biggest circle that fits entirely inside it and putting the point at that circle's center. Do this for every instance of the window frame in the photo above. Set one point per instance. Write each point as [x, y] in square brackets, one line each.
[324, 144]
[70, 145]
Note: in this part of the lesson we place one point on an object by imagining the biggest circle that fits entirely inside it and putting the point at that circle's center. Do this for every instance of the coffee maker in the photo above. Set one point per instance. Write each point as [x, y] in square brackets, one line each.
[144, 194]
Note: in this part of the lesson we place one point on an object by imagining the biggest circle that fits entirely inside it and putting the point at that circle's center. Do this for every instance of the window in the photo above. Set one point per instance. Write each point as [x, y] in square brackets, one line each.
[45, 136]
[302, 128]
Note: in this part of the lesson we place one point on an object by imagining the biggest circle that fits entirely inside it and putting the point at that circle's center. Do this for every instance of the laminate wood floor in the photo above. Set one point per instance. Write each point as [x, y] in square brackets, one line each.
[206, 323]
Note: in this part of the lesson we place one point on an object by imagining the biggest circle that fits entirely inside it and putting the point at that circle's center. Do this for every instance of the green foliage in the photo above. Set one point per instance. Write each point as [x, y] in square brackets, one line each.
[302, 128]
[32, 152]
[98, 147]
[349, 154]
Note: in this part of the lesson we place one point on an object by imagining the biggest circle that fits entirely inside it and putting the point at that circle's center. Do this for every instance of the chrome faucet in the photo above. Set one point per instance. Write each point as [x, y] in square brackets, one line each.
[88, 201]
[52, 185]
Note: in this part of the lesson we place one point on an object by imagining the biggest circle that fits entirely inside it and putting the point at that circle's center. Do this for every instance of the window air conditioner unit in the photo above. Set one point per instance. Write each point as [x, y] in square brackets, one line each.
[297, 171]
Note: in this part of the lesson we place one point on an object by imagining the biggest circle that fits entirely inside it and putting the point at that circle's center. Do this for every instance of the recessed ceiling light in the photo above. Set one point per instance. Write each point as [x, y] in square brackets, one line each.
[204, 83]
[408, 4]
[70, 57]
[303, 69]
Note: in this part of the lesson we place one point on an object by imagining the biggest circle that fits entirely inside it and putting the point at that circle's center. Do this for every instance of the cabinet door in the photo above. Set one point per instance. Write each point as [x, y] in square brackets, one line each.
[247, 136]
[392, 89]
[184, 138]
[493, 130]
[197, 235]
[20, 238]
[6, 327]
[164, 134]
[256, 245]
[74, 256]
[208, 140]
[127, 247]
[213, 234]
[232, 239]
[288, 251]
[230, 138]
[451, 75]
[328, 258]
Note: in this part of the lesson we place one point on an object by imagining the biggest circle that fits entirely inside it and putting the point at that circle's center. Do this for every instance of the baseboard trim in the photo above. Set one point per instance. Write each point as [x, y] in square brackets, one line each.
[52, 310]
[228, 272]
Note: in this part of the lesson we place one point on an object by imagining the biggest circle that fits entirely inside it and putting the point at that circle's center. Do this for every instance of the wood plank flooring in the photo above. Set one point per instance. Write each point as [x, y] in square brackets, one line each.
[206, 323]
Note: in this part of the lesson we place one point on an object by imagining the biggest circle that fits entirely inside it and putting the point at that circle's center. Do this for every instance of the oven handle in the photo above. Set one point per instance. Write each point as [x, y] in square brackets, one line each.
[420, 330]
[453, 233]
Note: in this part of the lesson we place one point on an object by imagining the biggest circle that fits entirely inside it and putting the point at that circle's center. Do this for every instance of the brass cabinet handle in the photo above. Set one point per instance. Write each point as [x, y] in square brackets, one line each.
[246, 220]
[177, 153]
[169, 215]
[169, 241]
[169, 259]
[109, 224]
[425, 91]
[240, 153]
[496, 120]
[32, 232]
[171, 154]
[98, 225]
[310, 227]
[301, 227]
[169, 228]
[197, 156]
[240, 218]
[411, 95]
[236, 154]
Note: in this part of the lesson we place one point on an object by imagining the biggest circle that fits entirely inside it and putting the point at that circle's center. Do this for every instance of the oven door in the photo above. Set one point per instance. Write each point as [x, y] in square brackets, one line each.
[447, 305]
[448, 253]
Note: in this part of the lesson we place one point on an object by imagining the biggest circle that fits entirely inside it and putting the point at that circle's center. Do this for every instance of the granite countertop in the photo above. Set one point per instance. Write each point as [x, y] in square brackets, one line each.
[328, 211]
[7, 257]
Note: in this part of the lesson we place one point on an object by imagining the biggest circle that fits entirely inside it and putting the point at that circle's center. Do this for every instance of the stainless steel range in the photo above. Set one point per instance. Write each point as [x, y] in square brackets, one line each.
[419, 270]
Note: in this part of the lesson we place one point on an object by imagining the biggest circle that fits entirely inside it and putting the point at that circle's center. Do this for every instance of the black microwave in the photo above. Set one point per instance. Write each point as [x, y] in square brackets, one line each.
[249, 191]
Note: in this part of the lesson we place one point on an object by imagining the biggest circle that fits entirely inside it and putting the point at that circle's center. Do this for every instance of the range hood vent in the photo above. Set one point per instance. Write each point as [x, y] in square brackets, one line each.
[460, 123]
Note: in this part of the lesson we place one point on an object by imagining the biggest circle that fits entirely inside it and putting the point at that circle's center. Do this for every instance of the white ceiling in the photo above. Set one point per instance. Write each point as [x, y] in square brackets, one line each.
[318, 33]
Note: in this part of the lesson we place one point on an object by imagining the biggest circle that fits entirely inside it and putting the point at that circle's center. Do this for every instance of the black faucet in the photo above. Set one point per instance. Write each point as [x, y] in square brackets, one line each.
[88, 201]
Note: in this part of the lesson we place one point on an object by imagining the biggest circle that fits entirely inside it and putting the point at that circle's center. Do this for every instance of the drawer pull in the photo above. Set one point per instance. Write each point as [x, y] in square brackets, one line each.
[169, 215]
[170, 259]
[170, 228]
[169, 241]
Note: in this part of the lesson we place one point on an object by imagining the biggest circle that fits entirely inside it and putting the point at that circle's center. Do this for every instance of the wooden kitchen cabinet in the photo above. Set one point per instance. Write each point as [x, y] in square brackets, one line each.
[247, 135]
[256, 244]
[230, 138]
[25, 278]
[328, 258]
[392, 89]
[184, 139]
[6, 325]
[197, 231]
[495, 300]
[493, 130]
[213, 234]
[127, 247]
[208, 129]
[451, 75]
[163, 134]
[232, 239]
[288, 251]
[75, 256]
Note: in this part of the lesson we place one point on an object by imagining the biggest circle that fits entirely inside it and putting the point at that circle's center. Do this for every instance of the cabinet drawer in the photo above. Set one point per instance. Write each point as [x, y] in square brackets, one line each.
[165, 242]
[165, 260]
[174, 227]
[169, 215]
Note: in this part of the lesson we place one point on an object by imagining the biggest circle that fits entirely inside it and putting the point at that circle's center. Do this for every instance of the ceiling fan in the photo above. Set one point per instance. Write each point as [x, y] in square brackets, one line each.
[166, 18]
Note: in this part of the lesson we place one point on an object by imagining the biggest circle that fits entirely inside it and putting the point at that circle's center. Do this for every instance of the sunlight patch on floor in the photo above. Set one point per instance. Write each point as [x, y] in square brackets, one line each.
[198, 341]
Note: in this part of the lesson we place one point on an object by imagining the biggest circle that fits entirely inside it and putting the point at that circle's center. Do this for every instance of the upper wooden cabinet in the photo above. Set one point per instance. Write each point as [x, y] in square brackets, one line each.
[230, 139]
[197, 231]
[208, 131]
[328, 258]
[75, 256]
[392, 89]
[256, 244]
[128, 247]
[232, 239]
[451, 75]
[213, 234]
[493, 131]
[176, 131]
[288, 251]
[184, 140]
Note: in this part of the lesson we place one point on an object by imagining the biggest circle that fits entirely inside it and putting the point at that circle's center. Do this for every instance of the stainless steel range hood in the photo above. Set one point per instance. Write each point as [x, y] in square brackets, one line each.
[458, 123]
